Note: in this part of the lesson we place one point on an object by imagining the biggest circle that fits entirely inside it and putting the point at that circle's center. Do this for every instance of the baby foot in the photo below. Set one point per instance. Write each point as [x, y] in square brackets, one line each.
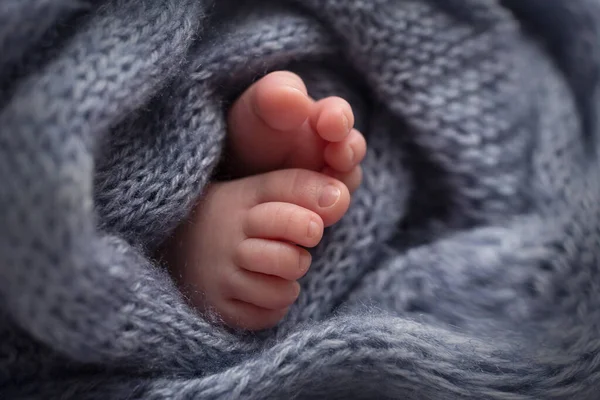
[239, 257]
[276, 125]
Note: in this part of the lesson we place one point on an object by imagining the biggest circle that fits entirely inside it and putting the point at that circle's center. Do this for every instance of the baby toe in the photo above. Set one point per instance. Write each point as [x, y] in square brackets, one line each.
[272, 257]
[265, 124]
[325, 196]
[264, 291]
[284, 221]
[345, 155]
[281, 101]
[242, 315]
[332, 118]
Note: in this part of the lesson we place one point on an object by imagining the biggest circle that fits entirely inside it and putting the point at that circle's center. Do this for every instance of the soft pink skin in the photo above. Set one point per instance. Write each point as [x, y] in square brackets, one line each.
[243, 251]
[276, 125]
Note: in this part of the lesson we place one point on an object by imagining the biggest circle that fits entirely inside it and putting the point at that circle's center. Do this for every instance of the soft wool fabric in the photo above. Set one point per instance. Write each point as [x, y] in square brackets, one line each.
[466, 268]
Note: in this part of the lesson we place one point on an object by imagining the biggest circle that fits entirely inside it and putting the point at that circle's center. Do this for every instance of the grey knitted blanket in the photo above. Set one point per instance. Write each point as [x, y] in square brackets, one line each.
[466, 268]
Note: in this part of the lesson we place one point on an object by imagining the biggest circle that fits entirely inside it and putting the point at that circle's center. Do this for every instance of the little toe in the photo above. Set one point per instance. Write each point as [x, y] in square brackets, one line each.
[345, 155]
[322, 194]
[264, 291]
[272, 257]
[332, 118]
[242, 315]
[284, 221]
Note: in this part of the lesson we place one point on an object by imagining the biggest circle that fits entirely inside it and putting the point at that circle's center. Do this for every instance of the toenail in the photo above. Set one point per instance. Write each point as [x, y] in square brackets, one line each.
[313, 229]
[352, 155]
[295, 89]
[345, 122]
[305, 260]
[329, 196]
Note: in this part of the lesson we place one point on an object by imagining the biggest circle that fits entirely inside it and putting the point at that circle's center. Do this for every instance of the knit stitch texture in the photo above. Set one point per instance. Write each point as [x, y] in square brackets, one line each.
[466, 268]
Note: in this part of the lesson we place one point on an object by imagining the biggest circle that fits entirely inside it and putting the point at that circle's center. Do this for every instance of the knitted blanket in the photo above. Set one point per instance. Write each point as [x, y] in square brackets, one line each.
[466, 268]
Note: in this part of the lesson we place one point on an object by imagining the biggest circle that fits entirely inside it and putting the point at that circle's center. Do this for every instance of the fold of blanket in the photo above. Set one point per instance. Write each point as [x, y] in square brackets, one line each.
[466, 268]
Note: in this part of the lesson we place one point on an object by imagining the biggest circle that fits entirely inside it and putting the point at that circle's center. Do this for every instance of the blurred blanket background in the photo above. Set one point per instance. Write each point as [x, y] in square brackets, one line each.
[466, 268]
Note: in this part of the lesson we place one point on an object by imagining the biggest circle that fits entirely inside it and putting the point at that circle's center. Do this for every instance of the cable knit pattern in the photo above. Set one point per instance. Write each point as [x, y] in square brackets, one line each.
[466, 268]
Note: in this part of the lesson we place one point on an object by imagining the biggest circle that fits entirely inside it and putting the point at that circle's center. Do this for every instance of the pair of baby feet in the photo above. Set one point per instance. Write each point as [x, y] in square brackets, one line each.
[296, 163]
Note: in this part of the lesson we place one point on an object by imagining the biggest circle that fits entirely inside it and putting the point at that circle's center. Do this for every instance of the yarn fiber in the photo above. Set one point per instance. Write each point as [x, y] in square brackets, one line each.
[467, 266]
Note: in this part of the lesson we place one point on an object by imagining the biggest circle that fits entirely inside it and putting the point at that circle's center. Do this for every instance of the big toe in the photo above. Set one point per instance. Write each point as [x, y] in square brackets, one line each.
[278, 102]
[265, 121]
[326, 196]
